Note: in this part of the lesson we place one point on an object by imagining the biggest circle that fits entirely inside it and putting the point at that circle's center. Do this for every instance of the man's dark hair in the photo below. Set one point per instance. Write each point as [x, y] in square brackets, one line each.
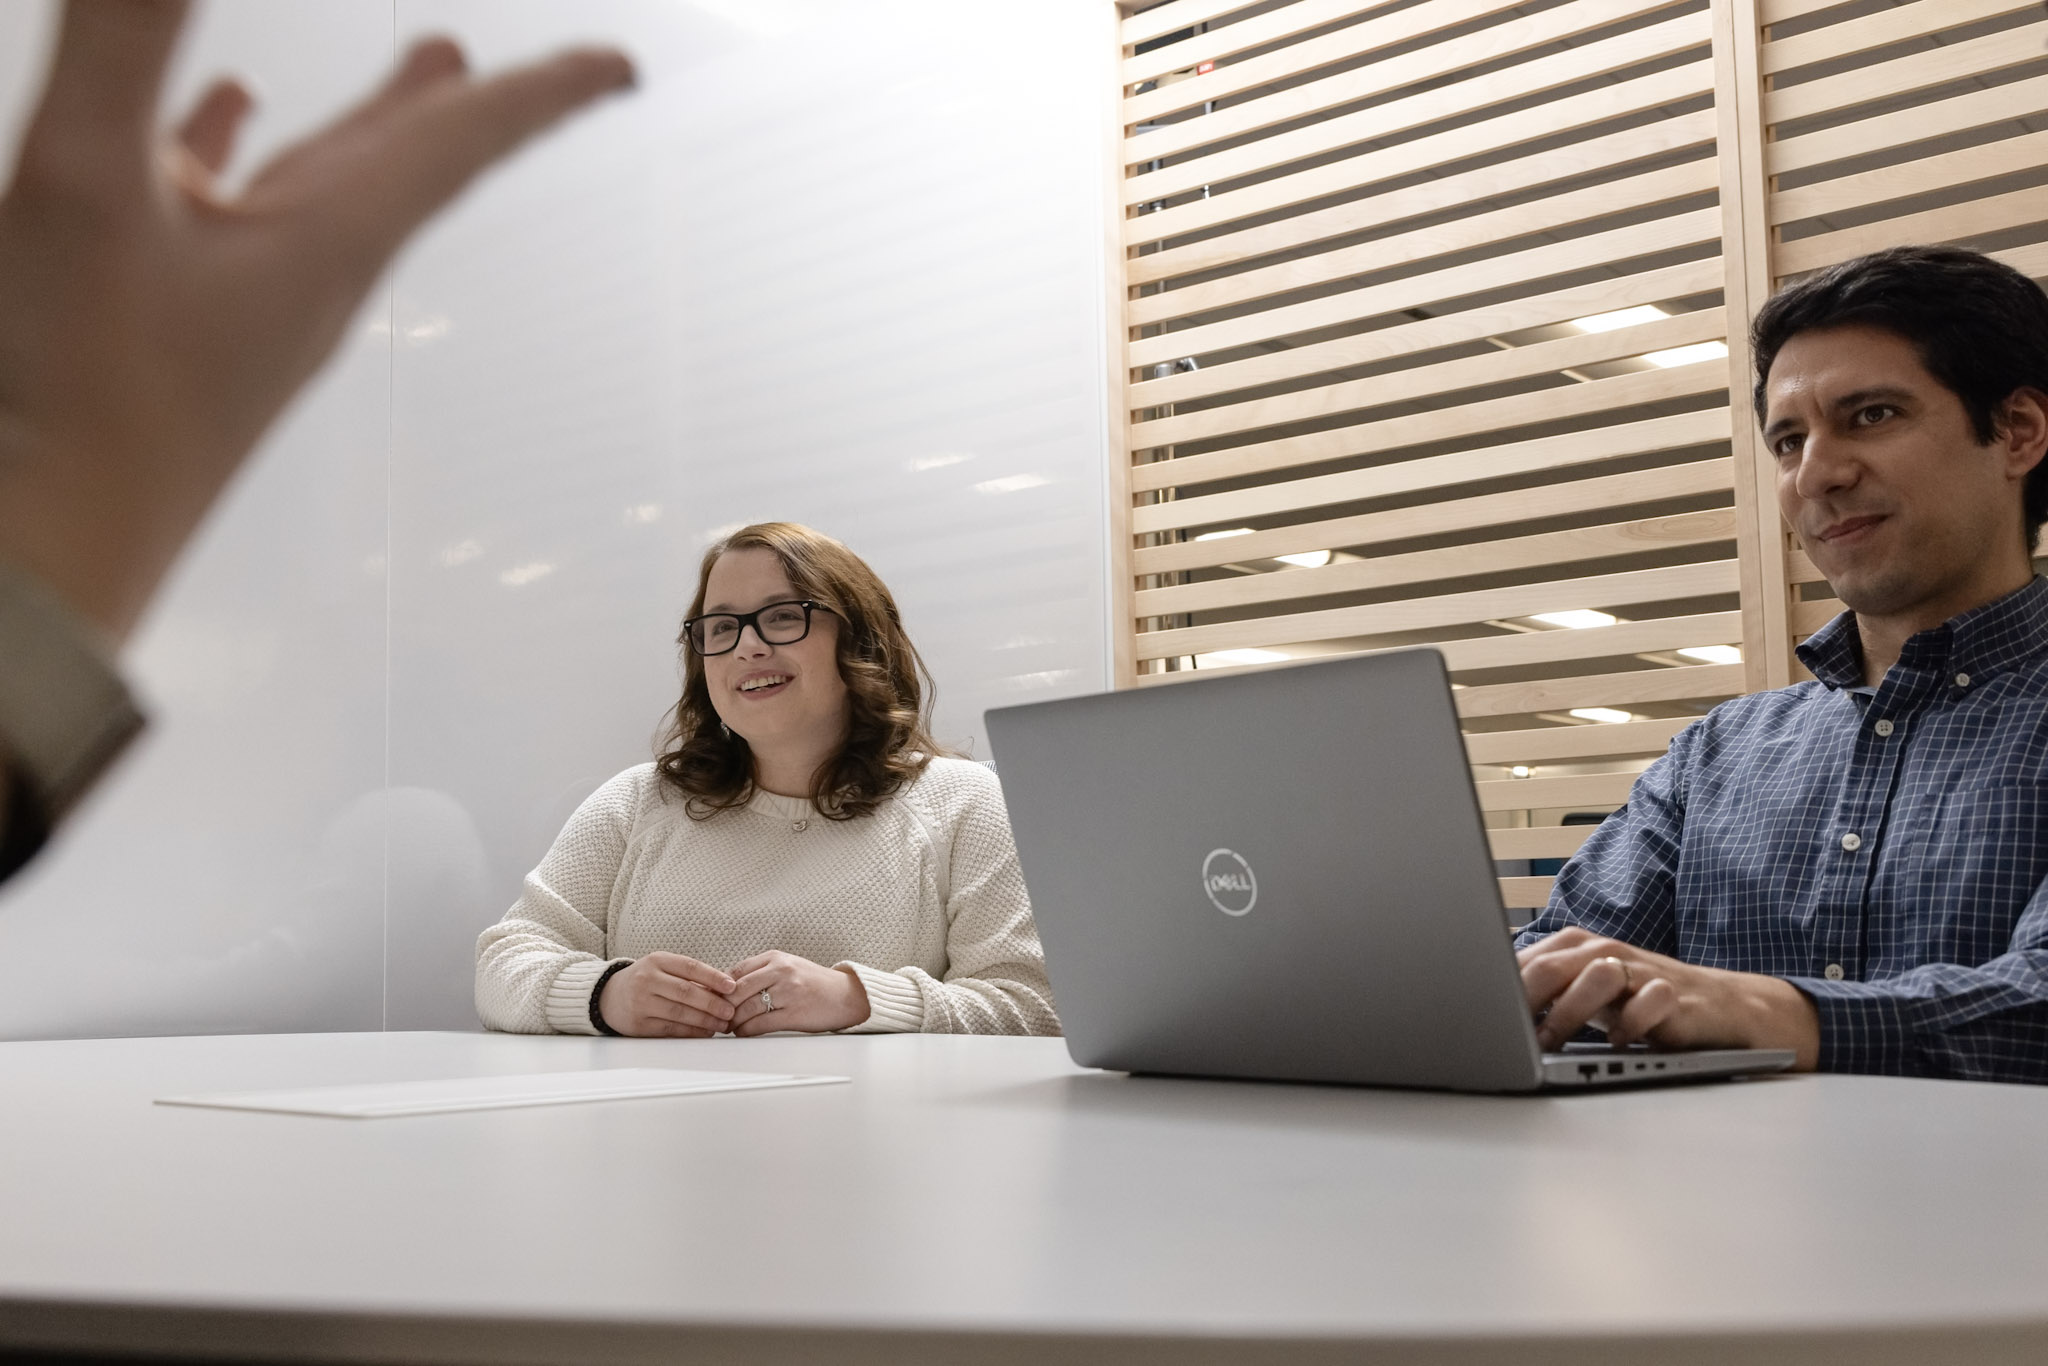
[1980, 326]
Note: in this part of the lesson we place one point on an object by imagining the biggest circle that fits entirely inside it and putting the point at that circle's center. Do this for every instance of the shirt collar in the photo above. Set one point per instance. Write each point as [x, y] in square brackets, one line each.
[1980, 642]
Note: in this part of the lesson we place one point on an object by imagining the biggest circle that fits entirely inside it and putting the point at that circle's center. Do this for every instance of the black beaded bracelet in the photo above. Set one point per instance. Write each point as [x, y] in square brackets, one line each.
[597, 990]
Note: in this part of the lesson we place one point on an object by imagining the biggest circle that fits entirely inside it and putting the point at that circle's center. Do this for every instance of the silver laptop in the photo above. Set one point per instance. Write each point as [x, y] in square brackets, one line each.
[1284, 875]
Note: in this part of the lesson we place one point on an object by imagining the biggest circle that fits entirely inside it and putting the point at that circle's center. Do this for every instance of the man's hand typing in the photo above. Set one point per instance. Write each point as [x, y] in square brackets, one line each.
[1575, 978]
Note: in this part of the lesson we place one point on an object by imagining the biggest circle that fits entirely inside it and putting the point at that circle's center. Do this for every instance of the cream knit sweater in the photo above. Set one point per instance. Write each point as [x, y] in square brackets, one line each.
[922, 899]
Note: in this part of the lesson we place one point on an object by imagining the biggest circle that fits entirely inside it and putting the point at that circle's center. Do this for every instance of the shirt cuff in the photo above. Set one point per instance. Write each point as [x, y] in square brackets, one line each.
[1862, 1027]
[895, 1005]
[569, 997]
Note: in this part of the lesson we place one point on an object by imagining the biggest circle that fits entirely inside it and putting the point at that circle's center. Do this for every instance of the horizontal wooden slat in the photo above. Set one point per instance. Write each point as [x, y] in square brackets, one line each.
[1553, 164]
[1906, 75]
[1441, 516]
[1429, 63]
[1443, 471]
[1559, 403]
[1527, 266]
[1404, 115]
[1501, 133]
[1551, 744]
[1451, 329]
[1452, 562]
[1880, 30]
[1778, 11]
[1992, 213]
[1341, 45]
[1602, 591]
[1520, 649]
[1960, 113]
[1602, 690]
[1274, 26]
[1541, 841]
[1525, 893]
[1529, 794]
[1886, 184]
[1559, 212]
[1800, 569]
[1159, 20]
[1444, 377]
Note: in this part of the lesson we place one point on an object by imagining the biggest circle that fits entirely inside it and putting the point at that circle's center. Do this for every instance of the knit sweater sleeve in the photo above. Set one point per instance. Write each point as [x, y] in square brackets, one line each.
[995, 976]
[536, 967]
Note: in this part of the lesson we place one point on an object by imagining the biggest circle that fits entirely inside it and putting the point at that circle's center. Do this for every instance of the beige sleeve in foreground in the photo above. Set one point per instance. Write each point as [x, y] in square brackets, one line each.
[535, 968]
[995, 979]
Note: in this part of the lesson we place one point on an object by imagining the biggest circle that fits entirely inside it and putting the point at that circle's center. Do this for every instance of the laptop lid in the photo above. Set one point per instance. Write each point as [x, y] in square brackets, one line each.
[1280, 874]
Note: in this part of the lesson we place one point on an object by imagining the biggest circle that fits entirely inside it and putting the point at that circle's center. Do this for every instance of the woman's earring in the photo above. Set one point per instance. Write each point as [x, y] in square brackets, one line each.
[725, 729]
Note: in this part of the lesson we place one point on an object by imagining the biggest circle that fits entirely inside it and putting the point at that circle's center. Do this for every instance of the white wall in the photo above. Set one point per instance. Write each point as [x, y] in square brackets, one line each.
[836, 263]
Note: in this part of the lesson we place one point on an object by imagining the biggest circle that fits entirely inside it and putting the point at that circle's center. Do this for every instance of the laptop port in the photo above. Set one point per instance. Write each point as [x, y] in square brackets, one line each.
[1615, 1069]
[1589, 1070]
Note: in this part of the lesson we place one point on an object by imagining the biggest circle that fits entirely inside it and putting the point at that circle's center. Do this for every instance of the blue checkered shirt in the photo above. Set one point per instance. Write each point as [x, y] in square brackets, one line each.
[1884, 851]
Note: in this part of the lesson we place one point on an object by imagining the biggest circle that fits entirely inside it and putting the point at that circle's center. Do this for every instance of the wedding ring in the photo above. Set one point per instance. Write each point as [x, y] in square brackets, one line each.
[767, 1001]
[1628, 979]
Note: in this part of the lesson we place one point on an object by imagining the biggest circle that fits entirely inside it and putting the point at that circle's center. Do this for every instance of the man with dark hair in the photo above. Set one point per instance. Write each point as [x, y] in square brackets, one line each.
[1856, 868]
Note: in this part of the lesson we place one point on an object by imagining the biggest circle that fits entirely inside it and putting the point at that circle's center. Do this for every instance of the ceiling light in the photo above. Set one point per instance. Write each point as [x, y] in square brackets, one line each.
[1688, 355]
[1712, 654]
[1521, 771]
[1620, 317]
[1224, 535]
[1604, 715]
[1578, 621]
[1223, 659]
[1307, 559]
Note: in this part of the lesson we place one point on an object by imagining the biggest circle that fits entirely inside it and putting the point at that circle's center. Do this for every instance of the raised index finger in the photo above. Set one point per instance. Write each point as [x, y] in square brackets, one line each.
[99, 109]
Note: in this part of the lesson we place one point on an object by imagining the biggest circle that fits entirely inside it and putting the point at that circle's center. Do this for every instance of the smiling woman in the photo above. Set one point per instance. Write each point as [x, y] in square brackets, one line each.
[800, 857]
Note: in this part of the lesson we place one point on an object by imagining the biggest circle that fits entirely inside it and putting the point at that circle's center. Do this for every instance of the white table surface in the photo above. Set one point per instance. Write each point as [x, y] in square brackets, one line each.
[983, 1199]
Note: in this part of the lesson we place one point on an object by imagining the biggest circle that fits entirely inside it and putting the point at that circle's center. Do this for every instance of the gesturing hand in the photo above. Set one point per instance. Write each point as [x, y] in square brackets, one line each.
[666, 995]
[805, 995]
[1578, 977]
[152, 326]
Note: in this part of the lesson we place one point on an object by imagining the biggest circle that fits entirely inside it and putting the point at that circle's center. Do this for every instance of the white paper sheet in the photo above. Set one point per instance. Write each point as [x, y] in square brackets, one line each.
[385, 1099]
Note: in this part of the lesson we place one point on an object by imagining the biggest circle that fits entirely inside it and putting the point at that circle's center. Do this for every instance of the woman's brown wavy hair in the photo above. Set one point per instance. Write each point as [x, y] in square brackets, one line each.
[888, 736]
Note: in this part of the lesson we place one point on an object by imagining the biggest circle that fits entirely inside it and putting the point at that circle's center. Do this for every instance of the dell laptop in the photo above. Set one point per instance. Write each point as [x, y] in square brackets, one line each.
[1283, 875]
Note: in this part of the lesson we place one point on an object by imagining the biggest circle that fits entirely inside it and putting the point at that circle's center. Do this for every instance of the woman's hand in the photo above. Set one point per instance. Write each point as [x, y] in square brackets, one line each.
[668, 996]
[805, 996]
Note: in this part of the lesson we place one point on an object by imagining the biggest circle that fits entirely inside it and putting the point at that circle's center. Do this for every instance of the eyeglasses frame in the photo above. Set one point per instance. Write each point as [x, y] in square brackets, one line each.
[753, 619]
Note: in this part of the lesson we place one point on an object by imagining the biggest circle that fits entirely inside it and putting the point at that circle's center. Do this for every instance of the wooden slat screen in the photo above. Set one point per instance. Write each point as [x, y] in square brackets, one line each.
[1430, 314]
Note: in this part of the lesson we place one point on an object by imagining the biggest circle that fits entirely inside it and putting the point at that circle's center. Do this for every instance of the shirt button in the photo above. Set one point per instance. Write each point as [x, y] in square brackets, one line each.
[1833, 972]
[1962, 680]
[1852, 841]
[1883, 728]
[799, 826]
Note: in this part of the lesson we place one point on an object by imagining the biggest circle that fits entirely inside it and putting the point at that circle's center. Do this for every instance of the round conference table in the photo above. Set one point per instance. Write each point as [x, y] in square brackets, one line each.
[984, 1200]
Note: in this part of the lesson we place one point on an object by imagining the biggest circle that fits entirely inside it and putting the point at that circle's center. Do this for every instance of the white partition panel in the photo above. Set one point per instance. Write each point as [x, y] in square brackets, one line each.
[834, 263]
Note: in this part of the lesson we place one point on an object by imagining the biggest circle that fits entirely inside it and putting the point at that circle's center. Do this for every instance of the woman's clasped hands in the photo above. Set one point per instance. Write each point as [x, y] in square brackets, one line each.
[670, 995]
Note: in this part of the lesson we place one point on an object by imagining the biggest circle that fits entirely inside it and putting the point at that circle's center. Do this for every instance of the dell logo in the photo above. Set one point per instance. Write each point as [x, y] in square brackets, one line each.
[1228, 880]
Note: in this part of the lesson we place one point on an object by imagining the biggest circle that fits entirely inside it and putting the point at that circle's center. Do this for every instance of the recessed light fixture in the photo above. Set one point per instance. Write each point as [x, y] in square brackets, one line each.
[1619, 318]
[1307, 559]
[1012, 483]
[1223, 659]
[1605, 715]
[1688, 355]
[1577, 621]
[1521, 771]
[1712, 654]
[1224, 535]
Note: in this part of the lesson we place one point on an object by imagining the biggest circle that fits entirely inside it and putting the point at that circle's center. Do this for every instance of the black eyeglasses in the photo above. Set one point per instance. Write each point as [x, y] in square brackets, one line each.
[779, 623]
